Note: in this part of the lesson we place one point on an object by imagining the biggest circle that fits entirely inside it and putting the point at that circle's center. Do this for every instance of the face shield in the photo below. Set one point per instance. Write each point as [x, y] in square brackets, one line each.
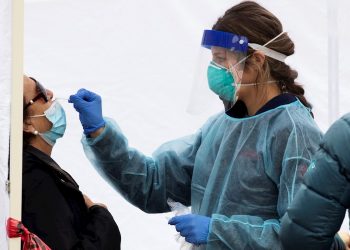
[220, 70]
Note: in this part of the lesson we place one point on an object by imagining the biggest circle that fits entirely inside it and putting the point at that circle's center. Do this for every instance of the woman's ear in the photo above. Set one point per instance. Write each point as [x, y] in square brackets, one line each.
[27, 126]
[259, 58]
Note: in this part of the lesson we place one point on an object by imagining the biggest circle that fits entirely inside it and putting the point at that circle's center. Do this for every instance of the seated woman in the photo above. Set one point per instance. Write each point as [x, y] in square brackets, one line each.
[53, 207]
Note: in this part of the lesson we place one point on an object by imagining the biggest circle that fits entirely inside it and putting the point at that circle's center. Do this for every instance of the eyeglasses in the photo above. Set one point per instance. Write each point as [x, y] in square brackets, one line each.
[42, 94]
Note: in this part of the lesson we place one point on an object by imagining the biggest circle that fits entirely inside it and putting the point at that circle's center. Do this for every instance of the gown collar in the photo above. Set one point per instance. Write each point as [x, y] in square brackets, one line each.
[239, 110]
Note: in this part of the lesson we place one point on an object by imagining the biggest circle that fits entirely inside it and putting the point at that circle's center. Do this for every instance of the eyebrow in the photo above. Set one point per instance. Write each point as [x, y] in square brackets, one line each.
[219, 53]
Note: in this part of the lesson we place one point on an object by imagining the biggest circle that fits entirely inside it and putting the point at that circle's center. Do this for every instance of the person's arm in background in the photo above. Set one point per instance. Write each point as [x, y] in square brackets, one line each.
[318, 210]
[146, 182]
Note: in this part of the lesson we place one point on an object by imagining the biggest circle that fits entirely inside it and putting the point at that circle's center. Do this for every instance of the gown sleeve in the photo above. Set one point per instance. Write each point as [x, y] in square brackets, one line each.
[144, 181]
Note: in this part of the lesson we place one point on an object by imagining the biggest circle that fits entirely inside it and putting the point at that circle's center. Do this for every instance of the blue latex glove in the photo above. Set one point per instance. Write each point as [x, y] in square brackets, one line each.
[195, 228]
[89, 106]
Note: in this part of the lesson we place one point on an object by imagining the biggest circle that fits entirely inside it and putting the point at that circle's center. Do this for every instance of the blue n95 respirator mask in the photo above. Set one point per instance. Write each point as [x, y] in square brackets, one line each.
[57, 116]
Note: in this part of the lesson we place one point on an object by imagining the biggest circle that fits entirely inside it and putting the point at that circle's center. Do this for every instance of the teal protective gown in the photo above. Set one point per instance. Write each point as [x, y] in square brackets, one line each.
[243, 173]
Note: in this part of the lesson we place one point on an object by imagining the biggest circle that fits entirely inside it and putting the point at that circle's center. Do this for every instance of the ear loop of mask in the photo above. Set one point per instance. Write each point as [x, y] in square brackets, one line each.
[35, 116]
[53, 99]
[257, 83]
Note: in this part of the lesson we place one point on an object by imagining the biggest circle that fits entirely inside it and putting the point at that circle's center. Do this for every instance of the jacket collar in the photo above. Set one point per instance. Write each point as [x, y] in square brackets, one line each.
[50, 162]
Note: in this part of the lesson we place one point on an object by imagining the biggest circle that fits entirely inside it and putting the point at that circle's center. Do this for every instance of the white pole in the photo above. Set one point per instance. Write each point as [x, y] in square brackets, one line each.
[333, 64]
[16, 116]
[5, 79]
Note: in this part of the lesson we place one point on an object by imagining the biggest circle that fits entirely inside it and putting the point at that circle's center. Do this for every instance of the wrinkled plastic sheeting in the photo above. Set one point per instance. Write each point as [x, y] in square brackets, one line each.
[179, 209]
[5, 88]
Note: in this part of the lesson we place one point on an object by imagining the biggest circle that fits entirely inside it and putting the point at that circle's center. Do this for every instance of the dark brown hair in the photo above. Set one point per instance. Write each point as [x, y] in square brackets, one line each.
[26, 136]
[260, 26]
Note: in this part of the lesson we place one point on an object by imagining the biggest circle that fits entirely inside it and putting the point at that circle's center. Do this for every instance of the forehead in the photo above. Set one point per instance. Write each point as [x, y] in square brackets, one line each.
[218, 50]
[222, 52]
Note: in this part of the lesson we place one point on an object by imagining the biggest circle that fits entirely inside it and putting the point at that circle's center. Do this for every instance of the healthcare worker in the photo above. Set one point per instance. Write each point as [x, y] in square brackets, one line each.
[241, 170]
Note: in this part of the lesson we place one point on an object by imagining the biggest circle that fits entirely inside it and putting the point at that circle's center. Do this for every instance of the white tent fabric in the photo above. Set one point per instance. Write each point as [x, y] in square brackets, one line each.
[140, 57]
[5, 90]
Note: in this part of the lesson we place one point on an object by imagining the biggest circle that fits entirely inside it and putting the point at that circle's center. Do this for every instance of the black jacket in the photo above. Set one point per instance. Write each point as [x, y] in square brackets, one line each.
[54, 209]
[318, 209]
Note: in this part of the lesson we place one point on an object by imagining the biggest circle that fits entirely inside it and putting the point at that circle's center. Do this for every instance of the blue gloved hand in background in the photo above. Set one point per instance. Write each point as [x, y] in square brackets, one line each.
[195, 228]
[89, 106]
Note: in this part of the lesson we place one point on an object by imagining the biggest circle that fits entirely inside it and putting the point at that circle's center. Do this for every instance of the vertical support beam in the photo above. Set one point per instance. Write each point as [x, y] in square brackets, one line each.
[5, 93]
[16, 116]
[333, 61]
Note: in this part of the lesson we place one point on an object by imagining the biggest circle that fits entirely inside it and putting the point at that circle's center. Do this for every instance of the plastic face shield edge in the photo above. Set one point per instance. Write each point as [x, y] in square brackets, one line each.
[219, 71]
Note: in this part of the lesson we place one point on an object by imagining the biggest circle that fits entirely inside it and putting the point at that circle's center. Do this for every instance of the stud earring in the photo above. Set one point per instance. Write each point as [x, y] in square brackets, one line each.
[35, 132]
[283, 86]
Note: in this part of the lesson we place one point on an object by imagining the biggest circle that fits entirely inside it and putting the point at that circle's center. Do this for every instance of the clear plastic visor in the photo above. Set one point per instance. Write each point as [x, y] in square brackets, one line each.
[219, 72]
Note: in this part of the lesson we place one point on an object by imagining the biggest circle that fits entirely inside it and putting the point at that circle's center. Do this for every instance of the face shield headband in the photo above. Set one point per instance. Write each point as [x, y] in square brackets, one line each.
[238, 43]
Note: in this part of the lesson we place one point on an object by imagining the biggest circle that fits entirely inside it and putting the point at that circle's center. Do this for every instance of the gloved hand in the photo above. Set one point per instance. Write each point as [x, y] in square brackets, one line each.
[195, 228]
[89, 106]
